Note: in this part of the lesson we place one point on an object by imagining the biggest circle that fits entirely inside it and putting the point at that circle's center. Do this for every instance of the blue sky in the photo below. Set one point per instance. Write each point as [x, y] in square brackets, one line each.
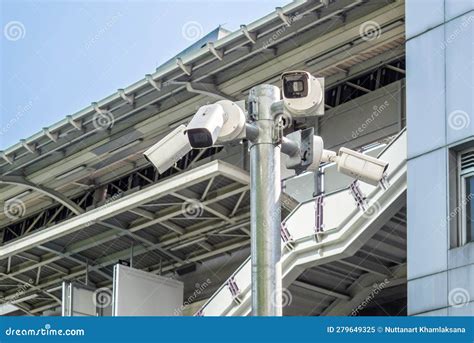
[59, 56]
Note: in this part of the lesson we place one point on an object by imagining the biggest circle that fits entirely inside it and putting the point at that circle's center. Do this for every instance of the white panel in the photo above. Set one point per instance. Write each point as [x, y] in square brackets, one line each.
[427, 293]
[461, 256]
[454, 8]
[243, 277]
[464, 310]
[300, 187]
[427, 240]
[461, 285]
[65, 303]
[460, 78]
[425, 91]
[83, 302]
[219, 304]
[422, 15]
[138, 293]
[78, 300]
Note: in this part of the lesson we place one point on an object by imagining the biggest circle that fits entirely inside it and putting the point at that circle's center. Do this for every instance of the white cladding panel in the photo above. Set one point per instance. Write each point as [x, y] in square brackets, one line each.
[138, 293]
[78, 301]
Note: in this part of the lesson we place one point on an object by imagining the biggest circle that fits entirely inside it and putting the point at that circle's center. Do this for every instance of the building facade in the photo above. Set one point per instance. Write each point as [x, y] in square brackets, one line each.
[440, 123]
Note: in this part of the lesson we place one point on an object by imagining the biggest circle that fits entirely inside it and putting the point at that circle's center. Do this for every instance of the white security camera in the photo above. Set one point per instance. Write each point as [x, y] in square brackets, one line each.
[217, 123]
[303, 94]
[362, 167]
[164, 154]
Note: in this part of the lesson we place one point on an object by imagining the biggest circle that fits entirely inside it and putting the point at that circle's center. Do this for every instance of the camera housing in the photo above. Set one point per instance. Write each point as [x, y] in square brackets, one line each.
[360, 166]
[205, 126]
[221, 122]
[170, 149]
[303, 94]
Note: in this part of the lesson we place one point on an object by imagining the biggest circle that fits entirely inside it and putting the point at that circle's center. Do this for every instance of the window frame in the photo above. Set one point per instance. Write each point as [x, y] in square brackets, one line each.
[462, 202]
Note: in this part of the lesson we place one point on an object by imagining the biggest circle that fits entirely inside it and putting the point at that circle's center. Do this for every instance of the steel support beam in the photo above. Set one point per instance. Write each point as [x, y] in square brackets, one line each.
[124, 204]
[21, 181]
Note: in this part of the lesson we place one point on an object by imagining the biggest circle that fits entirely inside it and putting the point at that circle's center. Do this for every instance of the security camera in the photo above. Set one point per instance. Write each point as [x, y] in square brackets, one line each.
[303, 94]
[164, 154]
[217, 123]
[359, 166]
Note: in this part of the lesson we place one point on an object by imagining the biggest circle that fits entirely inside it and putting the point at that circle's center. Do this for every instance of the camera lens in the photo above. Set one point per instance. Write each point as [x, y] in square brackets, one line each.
[295, 86]
[199, 138]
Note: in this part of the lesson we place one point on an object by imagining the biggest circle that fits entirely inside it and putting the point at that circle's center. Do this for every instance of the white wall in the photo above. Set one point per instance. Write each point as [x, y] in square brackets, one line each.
[440, 81]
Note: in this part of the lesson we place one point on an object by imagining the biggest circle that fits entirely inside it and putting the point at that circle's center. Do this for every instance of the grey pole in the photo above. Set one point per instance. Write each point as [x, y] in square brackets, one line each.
[265, 191]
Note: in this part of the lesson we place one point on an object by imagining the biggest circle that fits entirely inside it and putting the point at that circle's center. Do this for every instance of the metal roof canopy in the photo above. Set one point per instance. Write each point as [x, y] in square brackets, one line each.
[177, 239]
[148, 95]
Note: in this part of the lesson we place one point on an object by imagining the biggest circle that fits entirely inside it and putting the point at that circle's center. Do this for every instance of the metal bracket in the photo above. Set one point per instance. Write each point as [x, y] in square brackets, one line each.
[318, 214]
[52, 136]
[359, 197]
[252, 109]
[207, 89]
[284, 18]
[277, 131]
[234, 290]
[186, 69]
[286, 237]
[7, 158]
[218, 53]
[76, 123]
[28, 146]
[384, 183]
[128, 98]
[251, 36]
[154, 83]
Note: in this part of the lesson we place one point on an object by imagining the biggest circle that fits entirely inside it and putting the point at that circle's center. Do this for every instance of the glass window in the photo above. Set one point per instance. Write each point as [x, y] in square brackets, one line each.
[469, 207]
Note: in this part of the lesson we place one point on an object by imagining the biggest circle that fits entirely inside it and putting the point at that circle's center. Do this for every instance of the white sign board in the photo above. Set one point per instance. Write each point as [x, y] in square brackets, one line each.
[138, 293]
[78, 300]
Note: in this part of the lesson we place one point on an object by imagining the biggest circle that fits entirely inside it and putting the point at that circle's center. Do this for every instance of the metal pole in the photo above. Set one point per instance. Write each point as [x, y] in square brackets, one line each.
[265, 190]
